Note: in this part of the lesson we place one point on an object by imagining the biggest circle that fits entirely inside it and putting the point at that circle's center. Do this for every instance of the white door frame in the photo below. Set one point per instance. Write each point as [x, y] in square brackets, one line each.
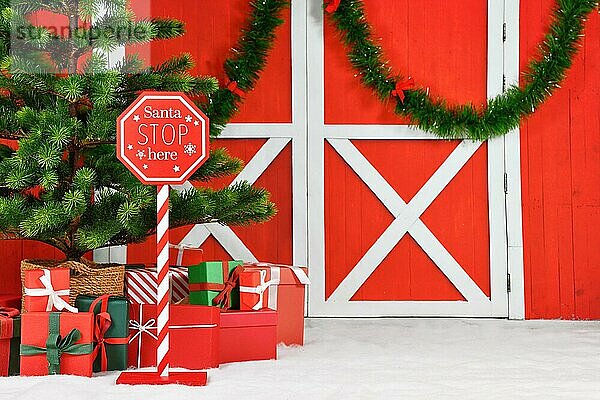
[512, 151]
[501, 152]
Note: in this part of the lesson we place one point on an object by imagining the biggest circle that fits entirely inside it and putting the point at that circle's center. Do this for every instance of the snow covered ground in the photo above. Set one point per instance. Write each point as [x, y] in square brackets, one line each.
[384, 359]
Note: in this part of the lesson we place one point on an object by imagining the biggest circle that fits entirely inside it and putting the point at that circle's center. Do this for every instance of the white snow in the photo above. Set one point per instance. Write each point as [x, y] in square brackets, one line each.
[383, 359]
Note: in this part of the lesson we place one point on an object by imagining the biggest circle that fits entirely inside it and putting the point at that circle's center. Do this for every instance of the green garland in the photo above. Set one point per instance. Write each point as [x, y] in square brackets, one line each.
[249, 59]
[502, 113]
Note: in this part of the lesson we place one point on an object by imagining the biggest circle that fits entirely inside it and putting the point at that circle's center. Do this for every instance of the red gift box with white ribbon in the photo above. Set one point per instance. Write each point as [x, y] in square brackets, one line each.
[276, 287]
[193, 336]
[47, 290]
[142, 283]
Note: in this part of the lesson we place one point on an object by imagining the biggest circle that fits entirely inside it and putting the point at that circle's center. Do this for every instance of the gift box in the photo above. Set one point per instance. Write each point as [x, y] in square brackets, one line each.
[47, 290]
[277, 287]
[57, 343]
[10, 340]
[248, 336]
[184, 255]
[111, 330]
[208, 279]
[193, 336]
[10, 301]
[141, 284]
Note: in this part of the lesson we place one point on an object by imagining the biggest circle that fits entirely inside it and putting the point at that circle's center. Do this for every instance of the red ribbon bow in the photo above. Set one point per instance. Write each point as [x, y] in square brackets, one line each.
[101, 326]
[232, 86]
[6, 329]
[223, 298]
[332, 6]
[401, 86]
[9, 312]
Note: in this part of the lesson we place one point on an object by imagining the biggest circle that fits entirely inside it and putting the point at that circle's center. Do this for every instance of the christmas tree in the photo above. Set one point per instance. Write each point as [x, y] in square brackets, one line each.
[60, 180]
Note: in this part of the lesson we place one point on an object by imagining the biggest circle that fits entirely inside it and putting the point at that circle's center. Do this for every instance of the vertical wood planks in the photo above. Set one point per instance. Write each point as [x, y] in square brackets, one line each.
[561, 181]
[212, 28]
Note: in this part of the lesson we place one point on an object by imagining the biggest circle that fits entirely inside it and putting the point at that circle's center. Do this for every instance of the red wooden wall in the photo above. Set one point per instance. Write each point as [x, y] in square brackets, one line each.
[561, 181]
[560, 143]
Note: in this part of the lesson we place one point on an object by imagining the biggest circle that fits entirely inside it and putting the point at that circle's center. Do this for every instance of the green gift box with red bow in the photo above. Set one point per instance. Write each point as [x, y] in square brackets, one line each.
[111, 330]
[212, 282]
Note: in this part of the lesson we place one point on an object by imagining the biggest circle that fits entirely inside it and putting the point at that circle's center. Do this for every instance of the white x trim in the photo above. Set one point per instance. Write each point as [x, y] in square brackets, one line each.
[407, 219]
[224, 234]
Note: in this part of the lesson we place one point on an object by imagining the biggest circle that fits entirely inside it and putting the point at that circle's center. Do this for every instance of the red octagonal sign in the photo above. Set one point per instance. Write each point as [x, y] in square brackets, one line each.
[162, 138]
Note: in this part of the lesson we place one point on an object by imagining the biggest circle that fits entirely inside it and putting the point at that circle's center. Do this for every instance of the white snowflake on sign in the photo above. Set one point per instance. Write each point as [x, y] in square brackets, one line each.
[188, 118]
[189, 149]
[141, 154]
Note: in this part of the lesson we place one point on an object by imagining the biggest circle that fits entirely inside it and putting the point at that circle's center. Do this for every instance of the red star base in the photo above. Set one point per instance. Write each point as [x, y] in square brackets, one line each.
[152, 378]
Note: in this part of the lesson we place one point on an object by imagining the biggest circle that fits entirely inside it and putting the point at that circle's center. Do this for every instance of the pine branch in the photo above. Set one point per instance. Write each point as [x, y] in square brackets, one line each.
[12, 135]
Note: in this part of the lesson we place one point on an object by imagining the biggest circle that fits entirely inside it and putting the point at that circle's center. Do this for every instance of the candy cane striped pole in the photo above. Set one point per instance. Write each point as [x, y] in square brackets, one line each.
[162, 265]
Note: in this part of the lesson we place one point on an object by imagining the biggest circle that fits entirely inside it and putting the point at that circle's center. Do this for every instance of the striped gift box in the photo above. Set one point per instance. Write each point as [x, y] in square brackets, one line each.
[142, 283]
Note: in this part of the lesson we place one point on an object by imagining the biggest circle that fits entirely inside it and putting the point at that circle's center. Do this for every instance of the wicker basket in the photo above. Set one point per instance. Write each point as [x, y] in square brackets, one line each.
[87, 277]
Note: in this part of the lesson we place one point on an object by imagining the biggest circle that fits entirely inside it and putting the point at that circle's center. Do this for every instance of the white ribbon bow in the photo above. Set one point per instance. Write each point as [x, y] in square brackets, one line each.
[262, 288]
[298, 272]
[55, 301]
[137, 326]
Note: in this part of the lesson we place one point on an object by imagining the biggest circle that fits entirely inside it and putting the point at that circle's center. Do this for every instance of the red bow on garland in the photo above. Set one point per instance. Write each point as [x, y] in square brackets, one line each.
[103, 323]
[401, 87]
[332, 6]
[232, 86]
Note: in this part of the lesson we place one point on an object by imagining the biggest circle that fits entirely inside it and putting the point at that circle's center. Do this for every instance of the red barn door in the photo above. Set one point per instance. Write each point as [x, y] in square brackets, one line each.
[401, 223]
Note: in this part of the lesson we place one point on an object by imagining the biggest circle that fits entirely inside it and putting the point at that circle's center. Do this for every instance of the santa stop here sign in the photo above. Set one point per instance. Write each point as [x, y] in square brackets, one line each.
[163, 138]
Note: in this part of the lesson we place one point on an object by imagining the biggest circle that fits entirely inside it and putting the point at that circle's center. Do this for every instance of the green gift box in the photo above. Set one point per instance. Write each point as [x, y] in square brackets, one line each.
[207, 280]
[111, 331]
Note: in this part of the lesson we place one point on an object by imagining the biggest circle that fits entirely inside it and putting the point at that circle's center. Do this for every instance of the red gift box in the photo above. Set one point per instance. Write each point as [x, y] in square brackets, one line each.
[10, 301]
[193, 335]
[57, 343]
[184, 255]
[8, 330]
[248, 336]
[47, 290]
[277, 287]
